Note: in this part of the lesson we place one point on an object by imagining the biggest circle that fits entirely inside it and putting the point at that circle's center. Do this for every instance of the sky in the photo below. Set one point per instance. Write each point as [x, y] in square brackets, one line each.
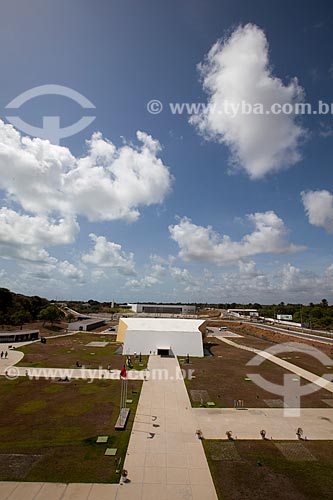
[201, 176]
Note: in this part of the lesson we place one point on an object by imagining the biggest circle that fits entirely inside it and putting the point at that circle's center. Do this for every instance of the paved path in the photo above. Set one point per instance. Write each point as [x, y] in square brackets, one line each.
[293, 333]
[13, 357]
[89, 374]
[305, 374]
[165, 459]
[58, 491]
[317, 423]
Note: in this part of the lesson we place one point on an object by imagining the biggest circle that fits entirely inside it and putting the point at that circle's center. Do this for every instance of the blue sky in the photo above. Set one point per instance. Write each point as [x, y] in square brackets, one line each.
[207, 208]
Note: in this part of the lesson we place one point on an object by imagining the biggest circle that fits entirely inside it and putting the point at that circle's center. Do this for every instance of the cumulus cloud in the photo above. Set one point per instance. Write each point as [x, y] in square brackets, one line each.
[318, 206]
[108, 183]
[303, 282]
[98, 275]
[238, 70]
[24, 237]
[191, 283]
[204, 244]
[145, 282]
[70, 271]
[155, 273]
[108, 254]
[248, 269]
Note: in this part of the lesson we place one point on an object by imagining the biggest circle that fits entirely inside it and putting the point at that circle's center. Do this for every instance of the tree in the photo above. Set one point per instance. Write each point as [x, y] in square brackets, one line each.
[324, 303]
[51, 314]
[6, 299]
[20, 317]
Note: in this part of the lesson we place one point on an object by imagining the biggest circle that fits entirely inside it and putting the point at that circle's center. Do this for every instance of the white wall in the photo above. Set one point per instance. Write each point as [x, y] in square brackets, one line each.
[181, 343]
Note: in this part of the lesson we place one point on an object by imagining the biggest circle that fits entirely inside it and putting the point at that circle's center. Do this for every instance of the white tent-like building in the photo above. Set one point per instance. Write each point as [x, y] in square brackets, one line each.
[162, 336]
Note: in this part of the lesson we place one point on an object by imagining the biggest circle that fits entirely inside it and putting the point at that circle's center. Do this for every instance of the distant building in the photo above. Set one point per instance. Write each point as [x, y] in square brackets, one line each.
[85, 325]
[285, 317]
[163, 308]
[243, 312]
[164, 336]
[19, 336]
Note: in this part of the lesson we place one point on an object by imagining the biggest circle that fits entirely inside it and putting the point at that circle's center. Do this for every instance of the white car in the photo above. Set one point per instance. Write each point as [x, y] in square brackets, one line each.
[222, 328]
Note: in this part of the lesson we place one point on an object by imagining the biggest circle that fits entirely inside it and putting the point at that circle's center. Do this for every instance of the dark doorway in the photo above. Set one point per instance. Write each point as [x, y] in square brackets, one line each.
[163, 352]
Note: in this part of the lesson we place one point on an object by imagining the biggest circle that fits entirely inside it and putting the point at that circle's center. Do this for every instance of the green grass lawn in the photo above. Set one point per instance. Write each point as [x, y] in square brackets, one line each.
[258, 470]
[64, 352]
[48, 430]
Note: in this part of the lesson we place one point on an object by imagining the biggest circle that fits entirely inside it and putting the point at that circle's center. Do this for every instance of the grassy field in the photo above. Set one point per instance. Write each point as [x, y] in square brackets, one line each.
[301, 359]
[258, 470]
[64, 352]
[48, 430]
[224, 377]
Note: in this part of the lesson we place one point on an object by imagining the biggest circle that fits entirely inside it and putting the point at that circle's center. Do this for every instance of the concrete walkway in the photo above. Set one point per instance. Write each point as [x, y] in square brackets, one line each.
[58, 491]
[317, 423]
[89, 374]
[305, 374]
[165, 459]
[13, 356]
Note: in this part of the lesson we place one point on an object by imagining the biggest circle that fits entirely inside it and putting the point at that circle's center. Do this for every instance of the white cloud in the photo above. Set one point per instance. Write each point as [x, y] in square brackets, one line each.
[145, 282]
[154, 274]
[108, 183]
[23, 237]
[248, 269]
[238, 70]
[98, 275]
[70, 271]
[192, 284]
[303, 282]
[318, 206]
[204, 244]
[325, 130]
[56, 272]
[109, 254]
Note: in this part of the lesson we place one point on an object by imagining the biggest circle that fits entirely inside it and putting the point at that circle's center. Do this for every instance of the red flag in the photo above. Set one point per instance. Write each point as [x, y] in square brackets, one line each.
[123, 373]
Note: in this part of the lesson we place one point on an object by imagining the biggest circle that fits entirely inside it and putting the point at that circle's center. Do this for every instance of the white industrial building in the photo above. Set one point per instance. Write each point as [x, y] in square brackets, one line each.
[243, 312]
[163, 308]
[162, 336]
[85, 325]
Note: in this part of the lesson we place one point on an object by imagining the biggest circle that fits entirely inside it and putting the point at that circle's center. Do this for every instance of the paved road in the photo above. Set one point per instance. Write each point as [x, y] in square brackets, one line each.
[293, 333]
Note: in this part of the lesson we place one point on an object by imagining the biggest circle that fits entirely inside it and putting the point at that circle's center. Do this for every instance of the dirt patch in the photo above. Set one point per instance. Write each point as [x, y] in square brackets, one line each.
[224, 450]
[296, 452]
[17, 465]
